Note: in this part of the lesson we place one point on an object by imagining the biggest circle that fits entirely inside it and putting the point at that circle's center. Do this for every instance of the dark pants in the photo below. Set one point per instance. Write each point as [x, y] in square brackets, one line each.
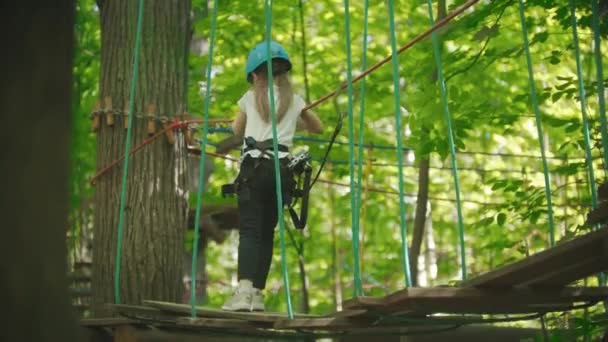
[258, 216]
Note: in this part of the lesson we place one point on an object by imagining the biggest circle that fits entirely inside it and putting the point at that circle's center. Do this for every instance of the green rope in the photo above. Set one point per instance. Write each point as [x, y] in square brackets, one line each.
[600, 80]
[538, 124]
[304, 60]
[125, 169]
[358, 289]
[448, 119]
[199, 194]
[395, 62]
[601, 100]
[583, 100]
[275, 146]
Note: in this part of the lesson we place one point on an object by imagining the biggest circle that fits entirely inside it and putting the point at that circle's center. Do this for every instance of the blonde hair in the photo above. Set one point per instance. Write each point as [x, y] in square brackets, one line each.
[260, 89]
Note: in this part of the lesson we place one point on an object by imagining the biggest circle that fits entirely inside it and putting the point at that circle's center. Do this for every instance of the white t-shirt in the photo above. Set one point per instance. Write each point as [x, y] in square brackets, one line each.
[260, 130]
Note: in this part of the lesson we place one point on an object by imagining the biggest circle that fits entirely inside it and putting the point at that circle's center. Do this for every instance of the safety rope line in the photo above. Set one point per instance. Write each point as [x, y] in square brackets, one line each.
[378, 190]
[600, 82]
[374, 163]
[357, 289]
[402, 218]
[538, 123]
[358, 285]
[406, 148]
[583, 101]
[448, 119]
[199, 194]
[123, 190]
[304, 59]
[601, 95]
[275, 147]
[403, 48]
[174, 125]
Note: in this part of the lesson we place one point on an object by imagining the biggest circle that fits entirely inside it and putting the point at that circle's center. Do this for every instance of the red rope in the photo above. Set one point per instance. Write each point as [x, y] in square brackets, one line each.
[411, 43]
[174, 125]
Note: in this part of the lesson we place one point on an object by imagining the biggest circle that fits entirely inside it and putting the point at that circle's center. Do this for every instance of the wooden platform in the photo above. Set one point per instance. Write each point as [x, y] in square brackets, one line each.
[534, 285]
[414, 305]
[598, 216]
[561, 265]
[424, 301]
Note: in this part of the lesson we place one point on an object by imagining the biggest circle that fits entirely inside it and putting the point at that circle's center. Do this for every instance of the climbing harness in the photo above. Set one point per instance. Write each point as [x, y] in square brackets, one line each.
[296, 167]
[300, 167]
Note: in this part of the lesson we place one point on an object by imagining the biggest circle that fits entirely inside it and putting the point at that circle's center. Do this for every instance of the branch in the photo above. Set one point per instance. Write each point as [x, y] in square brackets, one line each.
[483, 48]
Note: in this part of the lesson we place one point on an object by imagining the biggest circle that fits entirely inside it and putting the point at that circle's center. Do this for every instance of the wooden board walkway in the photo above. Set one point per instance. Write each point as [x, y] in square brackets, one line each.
[185, 310]
[558, 266]
[413, 305]
[455, 300]
[534, 285]
[171, 315]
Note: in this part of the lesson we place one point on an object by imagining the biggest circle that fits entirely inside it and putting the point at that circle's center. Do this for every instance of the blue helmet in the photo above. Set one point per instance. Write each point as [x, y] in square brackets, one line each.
[257, 57]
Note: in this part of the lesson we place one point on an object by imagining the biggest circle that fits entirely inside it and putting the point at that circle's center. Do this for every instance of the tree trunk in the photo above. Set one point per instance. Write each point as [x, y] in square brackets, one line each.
[430, 252]
[336, 254]
[155, 208]
[420, 219]
[423, 188]
[304, 281]
[35, 104]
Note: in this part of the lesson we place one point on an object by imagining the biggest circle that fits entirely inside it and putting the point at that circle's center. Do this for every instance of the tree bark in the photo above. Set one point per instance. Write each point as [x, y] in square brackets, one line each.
[304, 281]
[156, 205]
[35, 89]
[420, 219]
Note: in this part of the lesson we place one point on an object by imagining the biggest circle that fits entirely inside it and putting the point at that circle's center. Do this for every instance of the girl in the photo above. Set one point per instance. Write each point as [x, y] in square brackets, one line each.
[256, 188]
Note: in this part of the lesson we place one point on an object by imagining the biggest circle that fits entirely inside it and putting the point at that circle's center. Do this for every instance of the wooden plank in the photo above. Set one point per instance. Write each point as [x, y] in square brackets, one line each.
[347, 313]
[316, 323]
[228, 323]
[590, 246]
[353, 323]
[337, 320]
[363, 302]
[184, 309]
[468, 300]
[598, 216]
[143, 313]
[106, 322]
[475, 300]
[561, 277]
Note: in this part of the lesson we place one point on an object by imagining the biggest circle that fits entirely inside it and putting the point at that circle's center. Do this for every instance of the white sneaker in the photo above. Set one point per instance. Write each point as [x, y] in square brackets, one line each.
[241, 299]
[257, 300]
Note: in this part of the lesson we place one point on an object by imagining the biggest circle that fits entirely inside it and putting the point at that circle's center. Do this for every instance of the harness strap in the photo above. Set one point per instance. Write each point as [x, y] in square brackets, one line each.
[262, 146]
[297, 166]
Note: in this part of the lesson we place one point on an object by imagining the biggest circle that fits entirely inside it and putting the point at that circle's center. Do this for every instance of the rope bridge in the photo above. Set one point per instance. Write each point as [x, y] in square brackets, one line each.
[509, 290]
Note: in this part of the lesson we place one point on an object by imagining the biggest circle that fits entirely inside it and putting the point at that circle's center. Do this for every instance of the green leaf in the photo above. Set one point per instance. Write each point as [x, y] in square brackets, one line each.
[501, 219]
[573, 127]
[486, 32]
[534, 217]
[540, 37]
[487, 221]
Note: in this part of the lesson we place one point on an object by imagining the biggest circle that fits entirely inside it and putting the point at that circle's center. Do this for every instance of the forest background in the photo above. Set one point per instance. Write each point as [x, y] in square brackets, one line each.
[501, 175]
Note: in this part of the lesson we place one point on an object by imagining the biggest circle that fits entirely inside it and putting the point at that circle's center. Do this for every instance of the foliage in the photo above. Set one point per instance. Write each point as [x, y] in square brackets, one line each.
[500, 172]
[85, 94]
